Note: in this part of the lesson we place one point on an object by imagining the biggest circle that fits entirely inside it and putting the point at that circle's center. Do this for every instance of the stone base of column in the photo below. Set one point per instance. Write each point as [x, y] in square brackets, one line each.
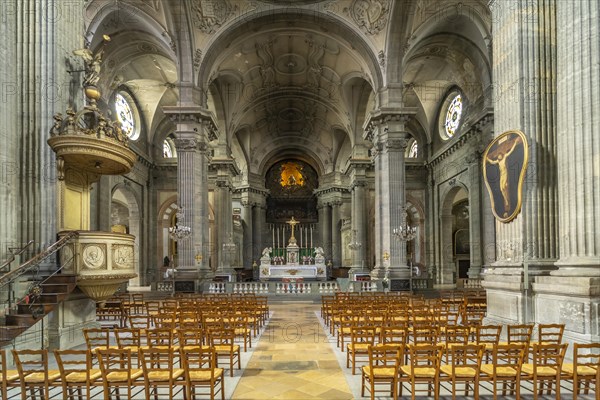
[509, 296]
[507, 300]
[573, 301]
[65, 325]
[230, 273]
[474, 272]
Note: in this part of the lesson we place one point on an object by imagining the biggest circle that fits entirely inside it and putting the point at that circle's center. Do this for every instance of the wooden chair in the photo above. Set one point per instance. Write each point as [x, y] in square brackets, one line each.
[157, 364]
[455, 336]
[423, 367]
[489, 336]
[130, 338]
[34, 376]
[200, 370]
[585, 369]
[77, 376]
[97, 338]
[464, 367]
[243, 328]
[160, 337]
[505, 367]
[152, 309]
[545, 368]
[361, 338]
[347, 322]
[10, 378]
[141, 322]
[223, 341]
[550, 333]
[192, 338]
[384, 363]
[117, 372]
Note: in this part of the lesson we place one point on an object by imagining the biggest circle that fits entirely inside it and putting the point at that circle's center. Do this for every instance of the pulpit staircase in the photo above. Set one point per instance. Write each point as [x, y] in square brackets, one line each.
[42, 295]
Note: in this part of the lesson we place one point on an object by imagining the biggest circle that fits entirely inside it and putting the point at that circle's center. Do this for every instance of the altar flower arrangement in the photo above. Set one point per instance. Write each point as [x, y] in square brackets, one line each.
[278, 260]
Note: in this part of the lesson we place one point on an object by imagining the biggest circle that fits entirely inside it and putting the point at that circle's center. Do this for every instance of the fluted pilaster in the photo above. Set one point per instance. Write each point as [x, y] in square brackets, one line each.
[388, 132]
[325, 222]
[336, 234]
[578, 144]
[195, 127]
[525, 94]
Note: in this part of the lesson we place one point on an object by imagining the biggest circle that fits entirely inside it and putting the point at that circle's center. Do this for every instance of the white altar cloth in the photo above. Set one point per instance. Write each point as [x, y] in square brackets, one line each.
[292, 271]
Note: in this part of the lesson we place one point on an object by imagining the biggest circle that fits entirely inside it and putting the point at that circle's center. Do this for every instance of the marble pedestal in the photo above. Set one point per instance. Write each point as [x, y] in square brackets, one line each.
[573, 301]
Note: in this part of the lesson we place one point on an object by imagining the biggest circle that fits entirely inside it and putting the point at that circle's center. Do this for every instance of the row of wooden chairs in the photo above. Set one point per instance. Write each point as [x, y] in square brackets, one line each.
[508, 367]
[115, 373]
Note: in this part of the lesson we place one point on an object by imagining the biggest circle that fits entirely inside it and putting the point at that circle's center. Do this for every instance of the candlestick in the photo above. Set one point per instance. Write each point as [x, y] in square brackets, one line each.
[300, 236]
[311, 237]
[273, 232]
[277, 237]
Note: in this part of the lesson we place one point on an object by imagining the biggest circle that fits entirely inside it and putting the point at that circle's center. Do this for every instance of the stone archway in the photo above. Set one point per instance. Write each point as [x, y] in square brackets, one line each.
[449, 269]
[125, 218]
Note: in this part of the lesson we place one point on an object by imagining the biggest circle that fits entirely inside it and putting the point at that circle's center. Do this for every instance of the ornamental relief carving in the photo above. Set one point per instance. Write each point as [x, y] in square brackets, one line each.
[123, 256]
[186, 144]
[370, 15]
[397, 144]
[210, 15]
[94, 256]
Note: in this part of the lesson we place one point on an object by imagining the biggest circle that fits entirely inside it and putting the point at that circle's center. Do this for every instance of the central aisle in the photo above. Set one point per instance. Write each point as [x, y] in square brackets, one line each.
[293, 359]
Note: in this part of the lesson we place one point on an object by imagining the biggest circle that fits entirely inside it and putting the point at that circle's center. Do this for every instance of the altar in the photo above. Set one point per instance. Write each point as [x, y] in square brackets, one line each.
[293, 261]
[292, 271]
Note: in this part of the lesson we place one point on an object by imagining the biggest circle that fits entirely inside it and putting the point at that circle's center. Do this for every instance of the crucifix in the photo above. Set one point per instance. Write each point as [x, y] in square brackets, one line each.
[292, 222]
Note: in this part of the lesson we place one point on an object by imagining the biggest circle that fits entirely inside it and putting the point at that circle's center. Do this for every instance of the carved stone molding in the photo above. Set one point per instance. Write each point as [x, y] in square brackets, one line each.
[396, 144]
[371, 16]
[210, 15]
[187, 144]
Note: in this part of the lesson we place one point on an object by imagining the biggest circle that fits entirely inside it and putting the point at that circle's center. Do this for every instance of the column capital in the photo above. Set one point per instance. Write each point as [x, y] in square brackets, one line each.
[190, 144]
[191, 115]
[387, 120]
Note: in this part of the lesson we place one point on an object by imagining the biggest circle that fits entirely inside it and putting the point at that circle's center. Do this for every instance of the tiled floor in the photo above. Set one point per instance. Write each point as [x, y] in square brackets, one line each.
[293, 359]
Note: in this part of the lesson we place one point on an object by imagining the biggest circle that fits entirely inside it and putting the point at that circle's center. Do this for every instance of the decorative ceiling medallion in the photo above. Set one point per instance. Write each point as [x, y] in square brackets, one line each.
[291, 114]
[370, 15]
[290, 64]
[210, 15]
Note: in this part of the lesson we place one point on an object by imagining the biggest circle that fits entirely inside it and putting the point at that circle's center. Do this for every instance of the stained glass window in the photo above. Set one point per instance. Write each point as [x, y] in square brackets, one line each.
[413, 150]
[453, 116]
[125, 116]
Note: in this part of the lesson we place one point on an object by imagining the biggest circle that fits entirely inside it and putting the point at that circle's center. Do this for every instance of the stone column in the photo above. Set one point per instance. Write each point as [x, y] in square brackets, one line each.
[336, 234]
[525, 99]
[195, 128]
[247, 216]
[260, 223]
[226, 169]
[325, 221]
[475, 217]
[388, 133]
[359, 226]
[571, 294]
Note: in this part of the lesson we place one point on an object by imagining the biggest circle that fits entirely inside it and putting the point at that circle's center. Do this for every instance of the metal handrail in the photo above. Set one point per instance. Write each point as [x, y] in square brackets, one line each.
[13, 254]
[37, 259]
[36, 293]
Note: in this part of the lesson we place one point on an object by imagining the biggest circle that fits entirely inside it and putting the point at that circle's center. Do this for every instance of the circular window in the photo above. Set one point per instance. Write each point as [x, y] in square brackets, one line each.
[453, 114]
[126, 117]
